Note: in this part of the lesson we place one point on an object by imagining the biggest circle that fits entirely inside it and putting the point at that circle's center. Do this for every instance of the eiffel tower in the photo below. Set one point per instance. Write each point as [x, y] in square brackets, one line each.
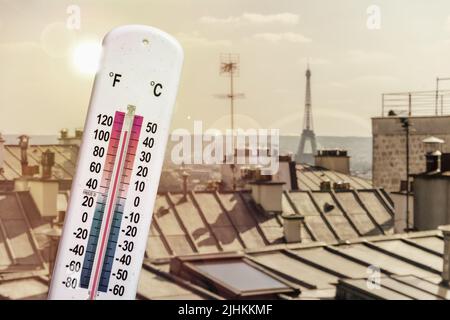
[303, 156]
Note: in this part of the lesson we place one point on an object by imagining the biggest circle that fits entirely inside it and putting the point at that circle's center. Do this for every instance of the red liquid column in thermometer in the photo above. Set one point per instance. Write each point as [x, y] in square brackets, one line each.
[119, 209]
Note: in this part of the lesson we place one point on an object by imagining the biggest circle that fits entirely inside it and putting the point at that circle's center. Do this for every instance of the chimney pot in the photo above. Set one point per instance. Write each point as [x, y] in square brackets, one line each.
[48, 161]
[433, 153]
[433, 161]
[333, 159]
[185, 176]
[23, 144]
[64, 133]
[78, 133]
[27, 171]
[341, 186]
[292, 226]
[325, 185]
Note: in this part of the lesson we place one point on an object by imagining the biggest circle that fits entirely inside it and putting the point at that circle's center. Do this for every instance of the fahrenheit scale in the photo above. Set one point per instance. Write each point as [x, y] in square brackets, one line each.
[113, 192]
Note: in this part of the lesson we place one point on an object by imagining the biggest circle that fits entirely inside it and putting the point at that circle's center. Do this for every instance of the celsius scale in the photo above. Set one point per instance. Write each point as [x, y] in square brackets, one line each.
[113, 193]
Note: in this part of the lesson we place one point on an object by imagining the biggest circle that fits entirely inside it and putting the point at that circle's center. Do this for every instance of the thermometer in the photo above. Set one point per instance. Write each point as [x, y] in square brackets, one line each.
[113, 193]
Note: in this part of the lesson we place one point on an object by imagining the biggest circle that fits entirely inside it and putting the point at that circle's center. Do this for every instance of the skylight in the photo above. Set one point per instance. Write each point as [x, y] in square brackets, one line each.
[240, 275]
[232, 276]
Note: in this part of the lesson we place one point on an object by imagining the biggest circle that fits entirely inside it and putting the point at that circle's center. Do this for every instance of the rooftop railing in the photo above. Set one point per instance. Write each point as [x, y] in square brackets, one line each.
[416, 103]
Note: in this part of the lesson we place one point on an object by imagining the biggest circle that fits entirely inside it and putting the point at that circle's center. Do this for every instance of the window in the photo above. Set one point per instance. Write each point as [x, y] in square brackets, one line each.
[239, 275]
[231, 276]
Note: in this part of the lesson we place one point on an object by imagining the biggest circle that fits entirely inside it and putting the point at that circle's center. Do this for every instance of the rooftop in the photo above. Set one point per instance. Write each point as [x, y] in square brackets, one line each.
[409, 266]
[308, 177]
[65, 160]
[404, 266]
[211, 222]
[19, 249]
[200, 225]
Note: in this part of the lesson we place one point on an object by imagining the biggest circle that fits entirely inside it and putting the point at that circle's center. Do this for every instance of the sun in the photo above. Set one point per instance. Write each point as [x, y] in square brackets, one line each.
[86, 56]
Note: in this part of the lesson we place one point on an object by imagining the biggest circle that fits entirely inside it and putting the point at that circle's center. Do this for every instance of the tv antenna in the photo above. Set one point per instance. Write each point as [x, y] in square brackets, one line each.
[229, 67]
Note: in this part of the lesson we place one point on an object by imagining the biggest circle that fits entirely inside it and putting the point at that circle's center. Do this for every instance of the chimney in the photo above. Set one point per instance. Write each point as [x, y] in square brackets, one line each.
[27, 171]
[2, 154]
[292, 226]
[45, 194]
[341, 186]
[267, 193]
[433, 161]
[433, 154]
[293, 174]
[47, 161]
[446, 256]
[23, 144]
[64, 136]
[78, 133]
[325, 185]
[333, 159]
[185, 176]
[287, 172]
[64, 133]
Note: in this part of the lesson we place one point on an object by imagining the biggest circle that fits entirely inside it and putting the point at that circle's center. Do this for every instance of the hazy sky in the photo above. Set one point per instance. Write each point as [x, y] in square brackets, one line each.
[42, 92]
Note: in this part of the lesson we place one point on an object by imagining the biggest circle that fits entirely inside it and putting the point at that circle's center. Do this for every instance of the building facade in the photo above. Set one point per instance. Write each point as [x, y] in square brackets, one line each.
[389, 147]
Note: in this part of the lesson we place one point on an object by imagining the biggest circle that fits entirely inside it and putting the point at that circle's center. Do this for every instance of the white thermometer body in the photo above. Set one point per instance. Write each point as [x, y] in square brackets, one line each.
[113, 193]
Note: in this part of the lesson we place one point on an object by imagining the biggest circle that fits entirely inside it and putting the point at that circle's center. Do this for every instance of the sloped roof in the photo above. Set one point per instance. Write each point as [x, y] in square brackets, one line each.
[407, 287]
[153, 284]
[309, 178]
[24, 257]
[64, 160]
[222, 222]
[159, 284]
[19, 248]
[27, 288]
[208, 222]
[410, 265]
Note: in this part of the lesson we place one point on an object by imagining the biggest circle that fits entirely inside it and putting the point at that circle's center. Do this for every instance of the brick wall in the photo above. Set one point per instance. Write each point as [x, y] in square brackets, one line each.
[389, 147]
